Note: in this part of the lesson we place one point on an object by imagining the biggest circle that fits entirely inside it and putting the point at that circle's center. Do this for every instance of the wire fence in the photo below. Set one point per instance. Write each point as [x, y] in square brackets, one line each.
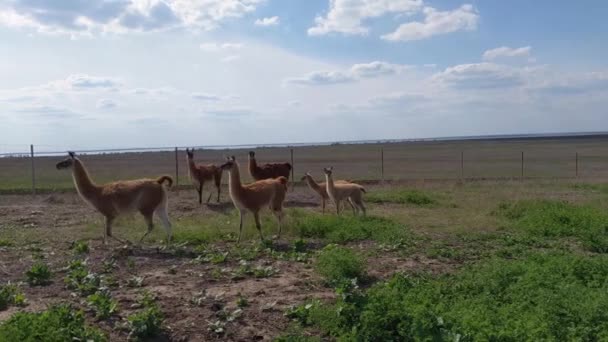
[553, 158]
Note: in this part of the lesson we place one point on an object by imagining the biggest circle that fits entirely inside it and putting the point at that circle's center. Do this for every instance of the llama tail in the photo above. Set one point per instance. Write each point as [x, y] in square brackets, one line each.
[282, 180]
[362, 189]
[288, 165]
[162, 179]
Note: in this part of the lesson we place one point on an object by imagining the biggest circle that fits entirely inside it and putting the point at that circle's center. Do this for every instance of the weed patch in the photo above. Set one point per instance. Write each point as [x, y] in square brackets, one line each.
[560, 219]
[39, 275]
[57, 324]
[11, 294]
[147, 323]
[401, 196]
[339, 265]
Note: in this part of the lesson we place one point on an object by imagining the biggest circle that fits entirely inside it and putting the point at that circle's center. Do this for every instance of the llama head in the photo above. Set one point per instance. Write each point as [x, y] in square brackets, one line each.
[190, 153]
[328, 170]
[66, 163]
[251, 154]
[229, 164]
[306, 175]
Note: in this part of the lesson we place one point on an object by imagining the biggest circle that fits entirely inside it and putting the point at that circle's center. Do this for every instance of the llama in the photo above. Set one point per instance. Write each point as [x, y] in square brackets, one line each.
[338, 192]
[255, 196]
[267, 171]
[201, 173]
[320, 188]
[148, 196]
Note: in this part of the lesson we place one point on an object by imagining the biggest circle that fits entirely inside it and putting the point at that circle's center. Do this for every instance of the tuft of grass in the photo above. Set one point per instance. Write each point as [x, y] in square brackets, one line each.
[80, 248]
[58, 323]
[6, 243]
[343, 229]
[560, 219]
[401, 196]
[601, 188]
[339, 265]
[546, 297]
[39, 275]
[11, 294]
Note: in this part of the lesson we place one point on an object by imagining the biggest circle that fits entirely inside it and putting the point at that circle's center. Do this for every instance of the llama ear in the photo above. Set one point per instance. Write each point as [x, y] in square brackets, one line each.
[232, 158]
[72, 154]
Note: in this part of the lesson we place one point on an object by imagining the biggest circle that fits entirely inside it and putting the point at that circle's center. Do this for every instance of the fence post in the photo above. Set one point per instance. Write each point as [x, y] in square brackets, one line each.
[33, 170]
[382, 164]
[576, 164]
[293, 180]
[462, 165]
[176, 169]
[522, 165]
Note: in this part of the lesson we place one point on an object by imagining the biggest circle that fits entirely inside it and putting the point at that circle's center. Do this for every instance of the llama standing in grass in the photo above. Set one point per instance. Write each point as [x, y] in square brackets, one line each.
[201, 173]
[148, 196]
[350, 191]
[267, 171]
[255, 196]
[320, 188]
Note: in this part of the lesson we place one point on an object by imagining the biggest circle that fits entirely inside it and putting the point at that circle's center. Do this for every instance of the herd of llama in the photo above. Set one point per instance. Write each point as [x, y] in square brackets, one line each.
[149, 196]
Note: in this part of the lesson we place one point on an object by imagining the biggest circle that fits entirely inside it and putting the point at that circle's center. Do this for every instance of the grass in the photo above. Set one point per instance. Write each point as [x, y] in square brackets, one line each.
[39, 275]
[11, 294]
[343, 229]
[555, 296]
[57, 324]
[560, 219]
[339, 265]
[401, 196]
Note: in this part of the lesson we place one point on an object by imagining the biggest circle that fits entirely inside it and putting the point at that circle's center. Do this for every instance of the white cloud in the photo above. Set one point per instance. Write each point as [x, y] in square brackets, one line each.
[87, 17]
[505, 51]
[464, 18]
[347, 16]
[230, 58]
[106, 104]
[480, 76]
[214, 47]
[206, 97]
[271, 21]
[356, 72]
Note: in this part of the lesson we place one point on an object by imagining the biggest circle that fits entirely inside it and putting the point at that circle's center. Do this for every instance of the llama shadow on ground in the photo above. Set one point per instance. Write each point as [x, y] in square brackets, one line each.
[300, 204]
[222, 208]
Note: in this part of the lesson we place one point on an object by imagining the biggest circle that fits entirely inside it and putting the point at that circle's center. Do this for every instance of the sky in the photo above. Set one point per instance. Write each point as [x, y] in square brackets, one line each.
[88, 74]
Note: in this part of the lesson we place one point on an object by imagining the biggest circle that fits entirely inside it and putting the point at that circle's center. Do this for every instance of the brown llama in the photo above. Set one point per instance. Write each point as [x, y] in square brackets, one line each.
[267, 171]
[255, 196]
[201, 173]
[352, 192]
[320, 188]
[148, 196]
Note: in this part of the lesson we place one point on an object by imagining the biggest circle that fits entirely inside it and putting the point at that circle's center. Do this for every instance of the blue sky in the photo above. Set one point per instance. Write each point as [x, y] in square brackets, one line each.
[120, 73]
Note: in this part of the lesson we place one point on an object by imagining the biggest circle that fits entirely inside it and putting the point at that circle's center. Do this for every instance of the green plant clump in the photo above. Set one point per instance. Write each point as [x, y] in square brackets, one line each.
[39, 275]
[57, 324]
[401, 196]
[339, 265]
[146, 323]
[11, 294]
[547, 297]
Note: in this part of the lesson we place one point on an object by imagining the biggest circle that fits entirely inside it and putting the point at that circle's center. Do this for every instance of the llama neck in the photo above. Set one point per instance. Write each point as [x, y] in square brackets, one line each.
[85, 186]
[311, 183]
[191, 167]
[234, 182]
[252, 163]
[330, 183]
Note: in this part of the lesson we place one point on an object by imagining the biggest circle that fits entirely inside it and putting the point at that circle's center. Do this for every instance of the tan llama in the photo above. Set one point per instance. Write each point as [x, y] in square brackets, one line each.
[255, 196]
[351, 192]
[320, 188]
[201, 173]
[148, 196]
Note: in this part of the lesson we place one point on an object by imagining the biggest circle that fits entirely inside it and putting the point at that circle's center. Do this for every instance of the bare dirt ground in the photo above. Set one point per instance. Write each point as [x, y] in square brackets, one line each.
[192, 295]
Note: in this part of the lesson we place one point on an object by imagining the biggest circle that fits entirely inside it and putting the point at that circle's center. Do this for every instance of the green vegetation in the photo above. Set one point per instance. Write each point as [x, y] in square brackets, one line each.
[146, 323]
[343, 229]
[559, 297]
[57, 324]
[102, 303]
[6, 243]
[38, 275]
[339, 265]
[401, 196]
[560, 219]
[11, 294]
[80, 248]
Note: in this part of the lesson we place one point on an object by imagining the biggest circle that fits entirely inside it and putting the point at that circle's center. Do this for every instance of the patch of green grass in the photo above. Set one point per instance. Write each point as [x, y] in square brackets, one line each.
[39, 275]
[11, 294]
[80, 248]
[560, 219]
[546, 297]
[342, 229]
[6, 243]
[339, 265]
[401, 196]
[57, 324]
[601, 188]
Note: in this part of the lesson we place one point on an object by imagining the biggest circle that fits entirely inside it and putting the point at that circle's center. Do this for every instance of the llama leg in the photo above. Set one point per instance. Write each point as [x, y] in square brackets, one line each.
[241, 214]
[200, 193]
[360, 203]
[256, 215]
[164, 219]
[108, 229]
[323, 204]
[219, 189]
[355, 209]
[149, 224]
[279, 215]
[209, 198]
[337, 207]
